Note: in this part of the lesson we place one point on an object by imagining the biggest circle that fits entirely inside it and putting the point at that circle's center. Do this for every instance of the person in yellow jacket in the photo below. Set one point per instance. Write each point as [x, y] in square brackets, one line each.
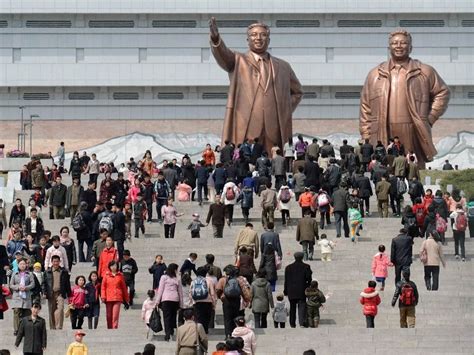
[77, 347]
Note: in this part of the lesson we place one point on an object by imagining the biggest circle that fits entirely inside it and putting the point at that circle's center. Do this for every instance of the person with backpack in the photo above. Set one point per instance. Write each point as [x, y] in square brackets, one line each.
[230, 193]
[82, 225]
[284, 197]
[441, 212]
[406, 293]
[459, 231]
[262, 299]
[280, 312]
[229, 292]
[273, 238]
[246, 201]
[269, 263]
[431, 255]
[370, 299]
[415, 189]
[203, 295]
[409, 222]
[420, 214]
[162, 192]
[322, 202]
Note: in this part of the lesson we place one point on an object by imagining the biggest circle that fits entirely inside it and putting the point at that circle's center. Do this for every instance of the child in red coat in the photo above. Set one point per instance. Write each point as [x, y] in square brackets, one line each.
[370, 299]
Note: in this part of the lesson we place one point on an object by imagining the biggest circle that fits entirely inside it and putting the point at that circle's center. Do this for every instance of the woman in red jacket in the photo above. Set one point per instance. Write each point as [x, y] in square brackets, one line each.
[113, 293]
[370, 299]
[108, 254]
[77, 302]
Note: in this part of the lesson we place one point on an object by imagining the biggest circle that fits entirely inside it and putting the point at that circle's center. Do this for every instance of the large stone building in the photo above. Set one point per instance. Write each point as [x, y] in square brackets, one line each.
[103, 69]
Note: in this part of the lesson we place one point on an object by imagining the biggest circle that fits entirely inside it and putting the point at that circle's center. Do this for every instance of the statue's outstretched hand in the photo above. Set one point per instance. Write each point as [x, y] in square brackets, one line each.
[214, 31]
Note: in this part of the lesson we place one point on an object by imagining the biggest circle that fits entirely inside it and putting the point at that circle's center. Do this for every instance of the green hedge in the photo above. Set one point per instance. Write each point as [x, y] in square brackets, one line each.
[460, 179]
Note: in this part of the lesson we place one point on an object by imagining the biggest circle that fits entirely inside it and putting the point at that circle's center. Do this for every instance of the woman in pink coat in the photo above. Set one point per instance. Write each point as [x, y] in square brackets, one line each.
[380, 264]
[134, 191]
[148, 306]
[184, 191]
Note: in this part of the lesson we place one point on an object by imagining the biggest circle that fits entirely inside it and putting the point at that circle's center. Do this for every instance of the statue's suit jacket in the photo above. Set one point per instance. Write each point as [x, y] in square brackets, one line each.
[244, 78]
[427, 97]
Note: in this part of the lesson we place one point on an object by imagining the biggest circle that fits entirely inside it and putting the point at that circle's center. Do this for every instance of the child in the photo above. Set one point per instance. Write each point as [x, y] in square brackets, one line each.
[221, 349]
[380, 264]
[314, 300]
[139, 214]
[355, 221]
[127, 211]
[93, 300]
[187, 299]
[195, 226]
[129, 268]
[148, 306]
[77, 302]
[157, 269]
[280, 312]
[189, 265]
[39, 278]
[370, 299]
[326, 248]
[77, 347]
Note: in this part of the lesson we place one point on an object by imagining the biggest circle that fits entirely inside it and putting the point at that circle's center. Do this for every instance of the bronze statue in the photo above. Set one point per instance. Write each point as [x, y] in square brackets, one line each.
[403, 97]
[264, 91]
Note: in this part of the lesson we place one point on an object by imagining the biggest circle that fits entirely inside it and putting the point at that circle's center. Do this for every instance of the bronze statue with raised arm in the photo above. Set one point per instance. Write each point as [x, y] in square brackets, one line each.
[403, 97]
[264, 91]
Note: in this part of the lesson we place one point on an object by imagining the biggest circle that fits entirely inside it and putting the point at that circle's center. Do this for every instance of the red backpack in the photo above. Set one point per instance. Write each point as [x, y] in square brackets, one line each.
[441, 225]
[407, 296]
[420, 216]
[230, 194]
[461, 222]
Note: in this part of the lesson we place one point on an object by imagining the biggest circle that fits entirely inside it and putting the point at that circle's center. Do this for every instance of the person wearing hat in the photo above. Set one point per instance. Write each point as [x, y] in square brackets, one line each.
[33, 329]
[77, 347]
[195, 226]
[298, 277]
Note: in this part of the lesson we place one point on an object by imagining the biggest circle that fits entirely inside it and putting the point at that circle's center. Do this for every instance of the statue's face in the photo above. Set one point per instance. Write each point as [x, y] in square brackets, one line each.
[400, 47]
[258, 39]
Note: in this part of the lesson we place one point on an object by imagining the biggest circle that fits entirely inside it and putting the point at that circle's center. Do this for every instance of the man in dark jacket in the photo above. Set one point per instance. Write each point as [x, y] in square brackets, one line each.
[148, 194]
[84, 235]
[227, 152]
[34, 225]
[90, 196]
[401, 253]
[312, 173]
[58, 289]
[441, 208]
[407, 295]
[306, 234]
[120, 189]
[339, 203]
[366, 151]
[351, 161]
[73, 197]
[57, 198]
[33, 329]
[171, 176]
[415, 189]
[279, 169]
[297, 279]
[202, 174]
[162, 192]
[257, 151]
[327, 148]
[344, 149]
[271, 237]
[119, 231]
[129, 268]
[217, 213]
[263, 165]
[332, 175]
[362, 183]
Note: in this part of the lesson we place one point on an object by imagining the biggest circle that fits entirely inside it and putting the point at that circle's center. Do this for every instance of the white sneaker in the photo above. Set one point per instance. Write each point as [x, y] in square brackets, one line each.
[457, 257]
[463, 260]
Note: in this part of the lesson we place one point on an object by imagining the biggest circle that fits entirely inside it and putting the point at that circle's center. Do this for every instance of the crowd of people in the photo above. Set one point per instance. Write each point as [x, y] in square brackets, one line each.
[36, 263]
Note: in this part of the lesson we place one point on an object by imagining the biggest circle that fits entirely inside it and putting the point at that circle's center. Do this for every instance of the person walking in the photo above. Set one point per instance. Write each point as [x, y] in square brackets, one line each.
[297, 279]
[380, 264]
[170, 217]
[217, 214]
[32, 331]
[248, 336]
[314, 301]
[459, 231]
[401, 253]
[170, 298]
[306, 233]
[58, 289]
[269, 264]
[431, 255]
[204, 297]
[229, 292]
[370, 299]
[339, 200]
[382, 189]
[248, 238]
[191, 336]
[284, 197]
[271, 237]
[21, 284]
[262, 299]
[407, 295]
[268, 204]
[113, 293]
[57, 198]
[73, 197]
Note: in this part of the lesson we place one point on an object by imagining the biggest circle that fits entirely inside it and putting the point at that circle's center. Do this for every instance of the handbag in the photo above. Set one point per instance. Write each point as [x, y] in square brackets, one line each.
[277, 261]
[199, 348]
[423, 256]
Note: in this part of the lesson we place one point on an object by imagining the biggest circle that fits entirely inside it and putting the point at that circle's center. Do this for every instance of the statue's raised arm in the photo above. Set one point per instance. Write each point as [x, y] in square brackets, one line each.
[224, 56]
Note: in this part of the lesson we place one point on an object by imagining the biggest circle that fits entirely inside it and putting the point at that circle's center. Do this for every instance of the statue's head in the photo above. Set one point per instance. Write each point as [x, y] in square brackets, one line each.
[400, 44]
[258, 37]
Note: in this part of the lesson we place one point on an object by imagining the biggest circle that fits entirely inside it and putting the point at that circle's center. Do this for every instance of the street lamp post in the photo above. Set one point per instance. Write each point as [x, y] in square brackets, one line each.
[22, 130]
[31, 132]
